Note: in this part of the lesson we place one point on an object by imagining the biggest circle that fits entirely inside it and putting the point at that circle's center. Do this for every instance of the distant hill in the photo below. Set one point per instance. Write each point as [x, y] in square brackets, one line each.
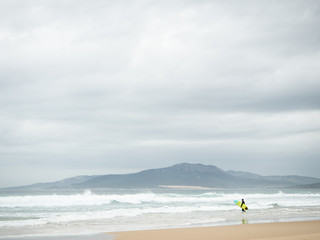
[308, 186]
[184, 174]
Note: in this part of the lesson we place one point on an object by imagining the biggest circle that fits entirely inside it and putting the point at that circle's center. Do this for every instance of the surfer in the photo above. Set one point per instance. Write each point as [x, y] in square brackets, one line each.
[242, 205]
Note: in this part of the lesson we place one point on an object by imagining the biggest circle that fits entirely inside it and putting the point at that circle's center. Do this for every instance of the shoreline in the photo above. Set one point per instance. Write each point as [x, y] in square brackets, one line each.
[298, 230]
[307, 230]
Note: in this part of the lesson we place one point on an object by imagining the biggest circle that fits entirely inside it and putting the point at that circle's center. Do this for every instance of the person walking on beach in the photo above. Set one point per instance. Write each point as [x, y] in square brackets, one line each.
[242, 205]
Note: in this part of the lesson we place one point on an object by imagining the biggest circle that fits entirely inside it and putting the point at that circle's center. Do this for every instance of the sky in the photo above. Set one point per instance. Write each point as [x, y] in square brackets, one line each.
[99, 87]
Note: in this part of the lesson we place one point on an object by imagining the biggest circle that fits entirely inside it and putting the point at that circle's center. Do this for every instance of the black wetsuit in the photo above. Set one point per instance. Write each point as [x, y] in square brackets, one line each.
[242, 204]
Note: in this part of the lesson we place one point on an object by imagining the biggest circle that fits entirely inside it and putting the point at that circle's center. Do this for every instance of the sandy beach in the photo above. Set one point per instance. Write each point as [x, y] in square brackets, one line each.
[309, 230]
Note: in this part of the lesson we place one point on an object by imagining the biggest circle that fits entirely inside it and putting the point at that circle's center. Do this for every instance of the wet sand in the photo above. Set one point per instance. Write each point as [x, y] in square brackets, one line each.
[63, 237]
[309, 230]
[306, 230]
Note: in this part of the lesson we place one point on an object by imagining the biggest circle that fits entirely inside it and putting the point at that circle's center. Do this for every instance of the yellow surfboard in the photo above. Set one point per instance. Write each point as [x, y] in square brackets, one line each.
[244, 207]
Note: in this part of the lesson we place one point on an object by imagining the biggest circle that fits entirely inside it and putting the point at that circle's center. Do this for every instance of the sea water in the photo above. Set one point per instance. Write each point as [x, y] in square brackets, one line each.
[70, 212]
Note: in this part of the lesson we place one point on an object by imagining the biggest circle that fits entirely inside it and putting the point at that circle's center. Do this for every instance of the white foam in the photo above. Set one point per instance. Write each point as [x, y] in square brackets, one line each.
[51, 209]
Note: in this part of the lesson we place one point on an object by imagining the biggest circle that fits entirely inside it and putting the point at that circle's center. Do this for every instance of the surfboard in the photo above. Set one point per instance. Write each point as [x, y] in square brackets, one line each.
[244, 207]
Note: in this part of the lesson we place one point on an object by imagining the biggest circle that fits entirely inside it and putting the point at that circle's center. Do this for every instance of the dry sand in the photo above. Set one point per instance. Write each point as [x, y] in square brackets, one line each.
[309, 230]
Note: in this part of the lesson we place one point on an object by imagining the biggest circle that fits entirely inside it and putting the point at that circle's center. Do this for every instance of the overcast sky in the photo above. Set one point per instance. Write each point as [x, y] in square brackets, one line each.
[97, 87]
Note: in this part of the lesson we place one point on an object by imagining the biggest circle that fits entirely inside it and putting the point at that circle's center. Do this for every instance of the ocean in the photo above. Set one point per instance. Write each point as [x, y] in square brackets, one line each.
[76, 212]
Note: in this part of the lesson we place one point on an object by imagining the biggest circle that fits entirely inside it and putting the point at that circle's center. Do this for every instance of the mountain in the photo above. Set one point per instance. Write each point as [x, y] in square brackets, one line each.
[308, 186]
[182, 174]
[65, 183]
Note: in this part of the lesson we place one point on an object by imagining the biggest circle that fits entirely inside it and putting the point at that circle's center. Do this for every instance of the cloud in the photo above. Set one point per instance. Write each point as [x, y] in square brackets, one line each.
[139, 84]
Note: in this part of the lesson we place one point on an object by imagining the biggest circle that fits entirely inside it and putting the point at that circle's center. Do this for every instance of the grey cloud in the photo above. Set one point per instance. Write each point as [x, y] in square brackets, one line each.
[137, 84]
